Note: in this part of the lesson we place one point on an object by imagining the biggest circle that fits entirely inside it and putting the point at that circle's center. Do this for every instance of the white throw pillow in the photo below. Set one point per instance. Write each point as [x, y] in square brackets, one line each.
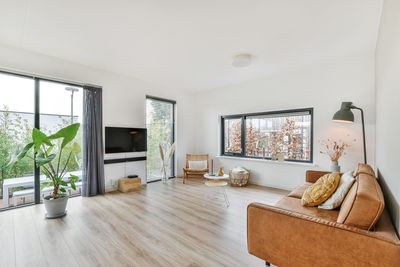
[335, 200]
[198, 164]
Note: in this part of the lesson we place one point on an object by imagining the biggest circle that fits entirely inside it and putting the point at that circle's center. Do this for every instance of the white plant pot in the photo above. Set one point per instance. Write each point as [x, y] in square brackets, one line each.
[335, 166]
[55, 208]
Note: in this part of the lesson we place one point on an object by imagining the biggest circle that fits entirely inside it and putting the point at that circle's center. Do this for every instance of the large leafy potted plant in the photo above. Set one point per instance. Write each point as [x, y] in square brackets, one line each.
[52, 154]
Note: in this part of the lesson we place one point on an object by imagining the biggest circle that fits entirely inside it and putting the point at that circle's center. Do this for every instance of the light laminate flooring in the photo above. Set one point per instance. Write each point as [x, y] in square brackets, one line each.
[164, 224]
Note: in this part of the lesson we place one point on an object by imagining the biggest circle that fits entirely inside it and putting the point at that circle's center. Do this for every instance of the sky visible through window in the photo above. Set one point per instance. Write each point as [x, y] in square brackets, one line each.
[17, 93]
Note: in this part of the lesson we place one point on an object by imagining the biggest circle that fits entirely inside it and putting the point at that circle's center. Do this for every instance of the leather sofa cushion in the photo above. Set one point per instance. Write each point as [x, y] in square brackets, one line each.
[321, 190]
[363, 168]
[312, 176]
[294, 205]
[364, 203]
[299, 191]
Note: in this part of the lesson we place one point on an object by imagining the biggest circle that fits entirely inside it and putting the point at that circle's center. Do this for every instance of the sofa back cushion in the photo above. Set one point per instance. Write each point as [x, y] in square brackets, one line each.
[363, 168]
[364, 203]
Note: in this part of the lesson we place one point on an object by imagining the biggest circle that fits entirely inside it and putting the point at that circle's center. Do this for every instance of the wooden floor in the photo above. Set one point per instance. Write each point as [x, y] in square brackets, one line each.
[165, 224]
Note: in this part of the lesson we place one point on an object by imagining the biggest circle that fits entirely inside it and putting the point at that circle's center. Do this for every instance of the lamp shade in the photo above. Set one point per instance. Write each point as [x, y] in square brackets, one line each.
[344, 114]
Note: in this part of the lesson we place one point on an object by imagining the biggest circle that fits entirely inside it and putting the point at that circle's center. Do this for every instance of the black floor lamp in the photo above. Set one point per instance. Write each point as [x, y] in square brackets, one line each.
[344, 114]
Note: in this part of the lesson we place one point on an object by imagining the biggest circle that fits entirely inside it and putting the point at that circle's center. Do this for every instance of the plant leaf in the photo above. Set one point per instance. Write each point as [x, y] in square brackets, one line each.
[73, 185]
[48, 151]
[68, 134]
[41, 158]
[62, 189]
[40, 138]
[74, 148]
[73, 177]
[61, 182]
[18, 155]
[45, 172]
[43, 186]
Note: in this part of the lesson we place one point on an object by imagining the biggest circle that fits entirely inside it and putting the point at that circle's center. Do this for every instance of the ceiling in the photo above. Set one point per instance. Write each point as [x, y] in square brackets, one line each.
[189, 44]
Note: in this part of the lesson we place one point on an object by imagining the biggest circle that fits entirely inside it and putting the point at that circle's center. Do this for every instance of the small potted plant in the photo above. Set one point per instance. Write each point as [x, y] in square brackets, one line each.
[52, 154]
[334, 149]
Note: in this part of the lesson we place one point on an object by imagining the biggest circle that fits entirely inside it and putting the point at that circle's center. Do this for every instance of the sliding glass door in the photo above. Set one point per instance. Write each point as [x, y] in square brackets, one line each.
[61, 105]
[26, 103]
[160, 122]
[16, 124]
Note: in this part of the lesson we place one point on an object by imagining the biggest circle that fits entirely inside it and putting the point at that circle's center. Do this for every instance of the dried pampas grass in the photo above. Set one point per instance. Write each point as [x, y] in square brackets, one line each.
[171, 151]
[161, 152]
[164, 159]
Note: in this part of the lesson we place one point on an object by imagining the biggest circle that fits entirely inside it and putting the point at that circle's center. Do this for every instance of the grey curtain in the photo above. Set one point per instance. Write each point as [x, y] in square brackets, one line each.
[93, 155]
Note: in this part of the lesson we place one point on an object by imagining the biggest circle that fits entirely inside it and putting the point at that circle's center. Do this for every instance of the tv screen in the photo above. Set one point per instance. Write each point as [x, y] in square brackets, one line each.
[125, 140]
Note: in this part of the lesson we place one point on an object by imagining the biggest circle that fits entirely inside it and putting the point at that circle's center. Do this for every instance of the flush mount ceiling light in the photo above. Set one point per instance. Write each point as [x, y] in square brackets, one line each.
[241, 60]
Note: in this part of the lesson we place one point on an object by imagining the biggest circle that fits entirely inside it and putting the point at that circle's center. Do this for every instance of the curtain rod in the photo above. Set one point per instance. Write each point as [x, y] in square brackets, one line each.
[42, 77]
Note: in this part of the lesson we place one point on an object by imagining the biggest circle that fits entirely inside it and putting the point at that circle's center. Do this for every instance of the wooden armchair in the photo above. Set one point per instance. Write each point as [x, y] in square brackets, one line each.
[190, 173]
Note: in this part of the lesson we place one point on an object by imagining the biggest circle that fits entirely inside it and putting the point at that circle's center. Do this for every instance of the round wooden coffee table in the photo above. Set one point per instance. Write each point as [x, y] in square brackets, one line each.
[218, 183]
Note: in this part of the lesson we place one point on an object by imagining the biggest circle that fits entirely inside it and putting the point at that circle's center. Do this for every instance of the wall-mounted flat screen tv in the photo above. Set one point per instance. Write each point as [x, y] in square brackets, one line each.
[125, 139]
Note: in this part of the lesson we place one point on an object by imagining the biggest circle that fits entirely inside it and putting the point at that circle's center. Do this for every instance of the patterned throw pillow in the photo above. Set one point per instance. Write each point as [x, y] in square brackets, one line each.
[321, 190]
[336, 199]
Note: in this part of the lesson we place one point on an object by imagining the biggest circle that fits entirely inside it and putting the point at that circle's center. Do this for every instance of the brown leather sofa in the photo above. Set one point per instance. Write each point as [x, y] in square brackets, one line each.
[359, 233]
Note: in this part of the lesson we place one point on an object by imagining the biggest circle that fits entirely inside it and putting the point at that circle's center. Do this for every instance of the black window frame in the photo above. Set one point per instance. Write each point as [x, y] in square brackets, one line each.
[243, 131]
[36, 114]
[173, 102]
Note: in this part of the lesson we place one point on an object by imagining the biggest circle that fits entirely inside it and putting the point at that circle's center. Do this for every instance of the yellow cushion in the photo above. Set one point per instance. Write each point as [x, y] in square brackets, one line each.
[321, 190]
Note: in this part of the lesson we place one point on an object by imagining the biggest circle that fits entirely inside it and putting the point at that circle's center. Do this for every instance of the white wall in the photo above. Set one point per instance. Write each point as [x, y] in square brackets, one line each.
[123, 97]
[387, 104]
[323, 86]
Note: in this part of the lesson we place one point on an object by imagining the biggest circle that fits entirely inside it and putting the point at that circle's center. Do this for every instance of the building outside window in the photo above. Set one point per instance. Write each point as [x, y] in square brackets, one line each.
[270, 135]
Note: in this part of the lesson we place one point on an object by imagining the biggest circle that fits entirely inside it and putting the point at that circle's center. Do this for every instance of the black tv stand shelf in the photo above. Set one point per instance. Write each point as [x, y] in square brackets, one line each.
[111, 161]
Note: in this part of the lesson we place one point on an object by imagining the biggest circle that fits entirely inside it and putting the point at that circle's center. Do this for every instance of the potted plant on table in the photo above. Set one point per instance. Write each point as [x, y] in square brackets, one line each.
[52, 154]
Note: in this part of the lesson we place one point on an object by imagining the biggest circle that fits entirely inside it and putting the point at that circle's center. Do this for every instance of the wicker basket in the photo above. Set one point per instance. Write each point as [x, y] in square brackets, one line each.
[239, 176]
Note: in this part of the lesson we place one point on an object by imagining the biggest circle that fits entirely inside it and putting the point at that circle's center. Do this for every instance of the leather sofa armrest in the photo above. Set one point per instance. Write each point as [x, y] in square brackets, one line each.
[284, 237]
[313, 176]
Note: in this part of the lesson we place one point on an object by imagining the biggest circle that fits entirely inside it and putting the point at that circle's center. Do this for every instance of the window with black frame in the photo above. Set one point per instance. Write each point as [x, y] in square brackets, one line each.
[28, 102]
[284, 135]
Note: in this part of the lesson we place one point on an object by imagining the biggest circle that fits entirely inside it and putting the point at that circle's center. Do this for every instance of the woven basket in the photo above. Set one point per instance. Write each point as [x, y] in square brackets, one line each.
[239, 178]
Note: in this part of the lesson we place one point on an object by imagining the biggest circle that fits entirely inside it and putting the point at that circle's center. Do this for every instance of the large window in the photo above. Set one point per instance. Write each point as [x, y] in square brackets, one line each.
[16, 124]
[160, 123]
[61, 105]
[28, 102]
[269, 135]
